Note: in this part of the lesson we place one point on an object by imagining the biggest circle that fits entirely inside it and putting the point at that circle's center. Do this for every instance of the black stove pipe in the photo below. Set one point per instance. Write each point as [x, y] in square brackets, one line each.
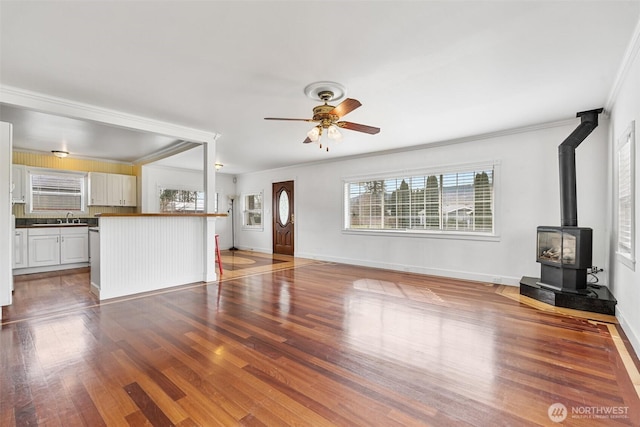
[567, 161]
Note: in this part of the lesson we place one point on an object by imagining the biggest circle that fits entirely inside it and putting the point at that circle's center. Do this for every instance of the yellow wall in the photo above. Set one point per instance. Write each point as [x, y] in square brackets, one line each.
[68, 163]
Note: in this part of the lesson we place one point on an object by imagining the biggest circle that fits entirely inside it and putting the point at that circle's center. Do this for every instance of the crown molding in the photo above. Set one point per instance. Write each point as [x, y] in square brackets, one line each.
[72, 156]
[68, 108]
[428, 145]
[178, 148]
[625, 65]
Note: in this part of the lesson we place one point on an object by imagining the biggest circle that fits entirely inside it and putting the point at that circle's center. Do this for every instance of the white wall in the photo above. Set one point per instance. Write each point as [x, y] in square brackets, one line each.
[528, 196]
[225, 187]
[625, 282]
[155, 177]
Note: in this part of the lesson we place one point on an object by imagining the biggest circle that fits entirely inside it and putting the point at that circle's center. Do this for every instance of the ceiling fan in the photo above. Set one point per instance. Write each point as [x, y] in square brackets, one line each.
[327, 116]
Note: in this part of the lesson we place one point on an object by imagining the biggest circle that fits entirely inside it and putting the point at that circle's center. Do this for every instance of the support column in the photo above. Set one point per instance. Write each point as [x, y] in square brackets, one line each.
[209, 207]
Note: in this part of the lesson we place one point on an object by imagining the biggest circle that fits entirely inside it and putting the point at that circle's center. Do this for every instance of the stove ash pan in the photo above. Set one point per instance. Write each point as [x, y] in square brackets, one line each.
[565, 247]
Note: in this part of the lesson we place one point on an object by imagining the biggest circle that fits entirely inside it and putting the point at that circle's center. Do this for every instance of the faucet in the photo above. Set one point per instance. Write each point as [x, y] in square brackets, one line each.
[68, 213]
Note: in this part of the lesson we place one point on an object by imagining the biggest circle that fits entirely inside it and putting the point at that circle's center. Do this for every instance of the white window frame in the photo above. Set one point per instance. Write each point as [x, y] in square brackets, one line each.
[170, 187]
[82, 176]
[494, 235]
[625, 179]
[247, 211]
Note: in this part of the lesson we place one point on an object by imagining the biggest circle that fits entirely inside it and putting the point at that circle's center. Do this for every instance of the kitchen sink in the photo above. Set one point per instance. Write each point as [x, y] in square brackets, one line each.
[64, 224]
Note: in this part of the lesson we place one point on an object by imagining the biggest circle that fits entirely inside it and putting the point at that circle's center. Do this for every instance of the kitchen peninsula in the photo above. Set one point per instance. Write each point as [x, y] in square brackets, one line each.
[135, 253]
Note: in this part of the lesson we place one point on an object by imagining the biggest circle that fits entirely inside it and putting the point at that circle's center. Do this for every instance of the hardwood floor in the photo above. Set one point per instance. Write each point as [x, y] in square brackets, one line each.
[283, 341]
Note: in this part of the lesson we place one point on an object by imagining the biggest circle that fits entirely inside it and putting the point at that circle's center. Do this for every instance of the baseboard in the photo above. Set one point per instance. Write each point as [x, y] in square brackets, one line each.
[633, 335]
[46, 269]
[455, 274]
[95, 289]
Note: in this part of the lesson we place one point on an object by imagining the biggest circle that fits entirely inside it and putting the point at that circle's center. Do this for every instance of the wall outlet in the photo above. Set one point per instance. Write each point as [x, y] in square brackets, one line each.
[497, 280]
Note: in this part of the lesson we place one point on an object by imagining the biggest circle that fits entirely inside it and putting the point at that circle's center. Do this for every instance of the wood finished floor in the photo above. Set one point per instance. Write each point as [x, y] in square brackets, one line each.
[283, 341]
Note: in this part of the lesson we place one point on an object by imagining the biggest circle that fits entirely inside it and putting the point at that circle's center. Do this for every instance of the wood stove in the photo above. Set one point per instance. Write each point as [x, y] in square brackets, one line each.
[565, 252]
[565, 255]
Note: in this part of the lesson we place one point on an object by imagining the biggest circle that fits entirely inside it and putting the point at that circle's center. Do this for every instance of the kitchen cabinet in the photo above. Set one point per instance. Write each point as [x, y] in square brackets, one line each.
[44, 246]
[121, 190]
[97, 189]
[49, 246]
[74, 245]
[109, 189]
[20, 249]
[18, 184]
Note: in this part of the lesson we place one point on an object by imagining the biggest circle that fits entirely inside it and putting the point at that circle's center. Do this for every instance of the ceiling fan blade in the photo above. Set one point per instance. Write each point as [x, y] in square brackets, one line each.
[358, 127]
[306, 141]
[345, 107]
[291, 120]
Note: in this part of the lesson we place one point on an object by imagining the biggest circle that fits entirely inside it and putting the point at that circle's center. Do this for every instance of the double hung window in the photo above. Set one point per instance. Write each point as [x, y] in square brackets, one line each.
[252, 211]
[625, 165]
[453, 201]
[53, 191]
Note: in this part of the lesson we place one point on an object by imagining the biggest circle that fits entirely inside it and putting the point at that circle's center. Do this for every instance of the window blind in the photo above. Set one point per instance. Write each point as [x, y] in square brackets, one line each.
[56, 192]
[626, 189]
[452, 201]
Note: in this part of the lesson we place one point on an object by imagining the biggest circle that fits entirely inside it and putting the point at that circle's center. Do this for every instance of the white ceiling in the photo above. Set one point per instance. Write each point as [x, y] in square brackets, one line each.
[425, 71]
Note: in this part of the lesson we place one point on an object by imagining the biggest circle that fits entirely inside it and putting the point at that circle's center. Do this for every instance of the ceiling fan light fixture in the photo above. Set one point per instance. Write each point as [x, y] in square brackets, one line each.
[334, 134]
[328, 116]
[60, 154]
[315, 133]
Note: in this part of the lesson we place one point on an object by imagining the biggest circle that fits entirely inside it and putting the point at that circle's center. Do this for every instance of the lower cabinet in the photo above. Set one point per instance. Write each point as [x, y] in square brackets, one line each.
[49, 246]
[44, 247]
[74, 245]
[20, 249]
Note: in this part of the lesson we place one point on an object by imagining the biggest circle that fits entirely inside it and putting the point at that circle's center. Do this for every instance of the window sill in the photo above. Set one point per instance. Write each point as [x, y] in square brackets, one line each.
[448, 235]
[626, 260]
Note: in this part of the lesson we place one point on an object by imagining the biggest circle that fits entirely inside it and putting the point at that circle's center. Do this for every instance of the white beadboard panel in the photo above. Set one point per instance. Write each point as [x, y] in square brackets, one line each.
[209, 249]
[141, 254]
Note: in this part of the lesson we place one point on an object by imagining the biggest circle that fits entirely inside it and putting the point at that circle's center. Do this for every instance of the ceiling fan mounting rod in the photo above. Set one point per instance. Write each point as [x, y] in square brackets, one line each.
[325, 95]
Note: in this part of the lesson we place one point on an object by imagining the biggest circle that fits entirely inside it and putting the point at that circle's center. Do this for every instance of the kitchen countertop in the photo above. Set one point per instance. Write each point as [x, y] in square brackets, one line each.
[64, 225]
[104, 215]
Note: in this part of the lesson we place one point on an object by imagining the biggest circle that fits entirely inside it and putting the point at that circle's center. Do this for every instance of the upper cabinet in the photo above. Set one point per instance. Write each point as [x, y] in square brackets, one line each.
[107, 189]
[121, 190]
[97, 189]
[18, 177]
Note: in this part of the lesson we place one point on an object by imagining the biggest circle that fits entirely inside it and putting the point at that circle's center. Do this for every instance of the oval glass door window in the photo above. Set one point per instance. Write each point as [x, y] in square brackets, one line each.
[283, 208]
